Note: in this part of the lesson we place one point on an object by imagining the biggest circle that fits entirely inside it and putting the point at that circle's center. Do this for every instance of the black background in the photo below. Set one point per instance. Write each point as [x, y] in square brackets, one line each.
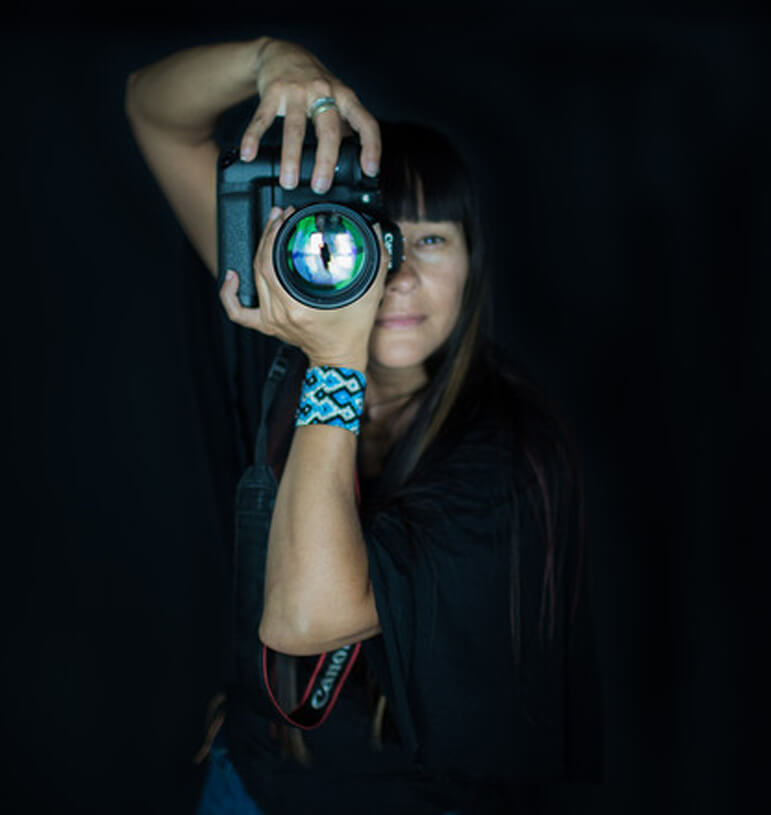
[625, 166]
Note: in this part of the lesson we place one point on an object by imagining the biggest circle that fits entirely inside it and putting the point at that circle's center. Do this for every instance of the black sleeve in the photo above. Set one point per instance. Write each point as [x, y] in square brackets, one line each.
[442, 569]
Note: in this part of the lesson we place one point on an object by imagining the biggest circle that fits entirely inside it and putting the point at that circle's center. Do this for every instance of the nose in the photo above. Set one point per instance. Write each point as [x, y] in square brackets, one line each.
[403, 279]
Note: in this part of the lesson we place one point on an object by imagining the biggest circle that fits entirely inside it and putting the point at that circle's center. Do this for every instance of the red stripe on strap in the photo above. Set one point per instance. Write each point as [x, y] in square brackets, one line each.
[333, 699]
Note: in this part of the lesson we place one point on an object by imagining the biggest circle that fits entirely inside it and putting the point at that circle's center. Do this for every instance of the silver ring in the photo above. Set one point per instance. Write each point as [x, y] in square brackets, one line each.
[320, 105]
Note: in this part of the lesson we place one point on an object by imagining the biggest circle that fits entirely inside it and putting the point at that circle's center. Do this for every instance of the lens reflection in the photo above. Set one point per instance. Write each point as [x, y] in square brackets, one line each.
[326, 249]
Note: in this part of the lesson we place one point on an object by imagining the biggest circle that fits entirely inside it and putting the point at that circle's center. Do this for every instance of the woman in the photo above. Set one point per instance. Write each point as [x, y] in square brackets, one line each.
[441, 531]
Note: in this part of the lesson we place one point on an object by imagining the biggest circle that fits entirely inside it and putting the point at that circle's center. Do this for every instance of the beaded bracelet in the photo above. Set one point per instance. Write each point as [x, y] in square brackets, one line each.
[332, 396]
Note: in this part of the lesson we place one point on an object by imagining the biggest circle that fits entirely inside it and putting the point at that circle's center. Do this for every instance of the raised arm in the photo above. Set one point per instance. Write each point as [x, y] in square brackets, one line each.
[318, 595]
[173, 106]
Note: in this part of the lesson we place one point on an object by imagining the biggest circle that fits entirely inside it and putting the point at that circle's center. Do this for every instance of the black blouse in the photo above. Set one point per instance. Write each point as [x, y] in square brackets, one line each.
[474, 723]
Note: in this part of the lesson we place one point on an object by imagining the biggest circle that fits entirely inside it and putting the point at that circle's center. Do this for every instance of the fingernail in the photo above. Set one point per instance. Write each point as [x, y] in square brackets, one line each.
[274, 213]
[289, 179]
[230, 274]
[247, 152]
[371, 168]
[321, 185]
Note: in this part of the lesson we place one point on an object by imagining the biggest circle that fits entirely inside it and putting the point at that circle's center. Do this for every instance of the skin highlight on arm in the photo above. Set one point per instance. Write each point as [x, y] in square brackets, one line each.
[317, 590]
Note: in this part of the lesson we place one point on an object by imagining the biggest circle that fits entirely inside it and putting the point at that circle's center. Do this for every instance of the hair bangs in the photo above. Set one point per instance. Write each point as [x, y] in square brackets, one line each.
[423, 178]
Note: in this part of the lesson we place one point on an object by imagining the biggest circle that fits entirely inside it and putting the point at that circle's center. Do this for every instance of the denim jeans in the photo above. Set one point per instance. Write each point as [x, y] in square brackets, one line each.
[223, 792]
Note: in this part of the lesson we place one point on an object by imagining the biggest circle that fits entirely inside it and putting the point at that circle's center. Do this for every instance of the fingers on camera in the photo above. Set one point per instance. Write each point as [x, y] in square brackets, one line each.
[291, 148]
[329, 133]
[261, 121]
[365, 124]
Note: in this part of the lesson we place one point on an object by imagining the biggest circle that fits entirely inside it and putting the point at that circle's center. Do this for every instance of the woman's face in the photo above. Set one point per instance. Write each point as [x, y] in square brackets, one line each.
[422, 298]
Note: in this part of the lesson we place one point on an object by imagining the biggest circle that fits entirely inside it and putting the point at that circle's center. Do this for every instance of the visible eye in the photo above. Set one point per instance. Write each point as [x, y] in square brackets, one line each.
[431, 240]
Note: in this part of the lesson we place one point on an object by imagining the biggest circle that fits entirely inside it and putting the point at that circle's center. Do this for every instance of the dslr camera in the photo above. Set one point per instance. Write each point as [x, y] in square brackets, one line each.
[326, 254]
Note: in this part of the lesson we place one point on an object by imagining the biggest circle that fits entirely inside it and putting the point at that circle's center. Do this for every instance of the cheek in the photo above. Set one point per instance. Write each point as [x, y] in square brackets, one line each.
[452, 296]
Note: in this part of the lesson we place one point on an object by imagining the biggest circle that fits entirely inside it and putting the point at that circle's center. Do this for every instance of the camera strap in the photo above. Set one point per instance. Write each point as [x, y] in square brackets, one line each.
[255, 498]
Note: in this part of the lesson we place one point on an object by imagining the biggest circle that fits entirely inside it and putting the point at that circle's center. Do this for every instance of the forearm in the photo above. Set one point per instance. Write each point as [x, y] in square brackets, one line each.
[185, 93]
[317, 574]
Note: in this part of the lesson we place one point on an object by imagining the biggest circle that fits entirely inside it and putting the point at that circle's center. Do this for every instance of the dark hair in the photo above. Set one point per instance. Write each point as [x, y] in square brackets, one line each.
[424, 177]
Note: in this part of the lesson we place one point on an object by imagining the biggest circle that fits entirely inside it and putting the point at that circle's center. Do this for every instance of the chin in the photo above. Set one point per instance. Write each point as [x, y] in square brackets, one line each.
[396, 355]
[396, 360]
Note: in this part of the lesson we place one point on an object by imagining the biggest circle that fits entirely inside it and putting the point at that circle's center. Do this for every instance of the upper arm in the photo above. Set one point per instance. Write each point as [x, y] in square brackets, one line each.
[187, 175]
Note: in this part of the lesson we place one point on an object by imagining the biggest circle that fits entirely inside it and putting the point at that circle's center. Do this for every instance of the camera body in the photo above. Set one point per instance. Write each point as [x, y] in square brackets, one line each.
[246, 192]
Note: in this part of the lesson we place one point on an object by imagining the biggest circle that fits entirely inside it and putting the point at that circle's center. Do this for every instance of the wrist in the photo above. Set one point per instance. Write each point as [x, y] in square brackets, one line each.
[332, 395]
[356, 363]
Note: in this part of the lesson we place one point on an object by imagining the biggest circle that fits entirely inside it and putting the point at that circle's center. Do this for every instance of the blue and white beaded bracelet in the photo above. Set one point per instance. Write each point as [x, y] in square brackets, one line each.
[332, 396]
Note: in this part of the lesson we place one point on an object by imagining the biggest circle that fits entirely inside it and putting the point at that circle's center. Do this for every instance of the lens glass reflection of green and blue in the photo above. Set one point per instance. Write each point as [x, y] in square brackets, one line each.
[326, 250]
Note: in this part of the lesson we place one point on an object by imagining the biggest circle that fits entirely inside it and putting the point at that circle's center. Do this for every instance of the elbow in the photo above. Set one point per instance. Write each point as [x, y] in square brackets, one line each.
[305, 629]
[275, 638]
[288, 636]
[286, 625]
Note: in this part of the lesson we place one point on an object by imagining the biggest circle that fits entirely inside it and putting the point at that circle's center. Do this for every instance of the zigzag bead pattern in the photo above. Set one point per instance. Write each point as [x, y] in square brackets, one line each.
[332, 396]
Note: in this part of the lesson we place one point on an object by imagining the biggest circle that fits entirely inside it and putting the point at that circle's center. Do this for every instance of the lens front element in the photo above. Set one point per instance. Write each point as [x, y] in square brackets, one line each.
[326, 250]
[326, 255]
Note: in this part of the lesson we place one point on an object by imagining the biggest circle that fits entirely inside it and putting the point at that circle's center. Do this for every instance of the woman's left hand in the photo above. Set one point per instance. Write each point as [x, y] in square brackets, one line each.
[337, 336]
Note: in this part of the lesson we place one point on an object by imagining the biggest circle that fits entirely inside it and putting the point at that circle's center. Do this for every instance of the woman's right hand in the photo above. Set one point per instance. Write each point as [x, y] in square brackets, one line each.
[174, 104]
[289, 80]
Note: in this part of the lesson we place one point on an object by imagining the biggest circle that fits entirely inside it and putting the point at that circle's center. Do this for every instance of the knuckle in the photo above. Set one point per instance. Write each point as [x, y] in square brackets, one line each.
[320, 87]
[294, 89]
[345, 95]
[296, 315]
[273, 89]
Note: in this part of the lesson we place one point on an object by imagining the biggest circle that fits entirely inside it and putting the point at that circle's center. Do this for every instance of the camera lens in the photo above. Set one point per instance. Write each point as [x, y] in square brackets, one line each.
[326, 250]
[326, 255]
